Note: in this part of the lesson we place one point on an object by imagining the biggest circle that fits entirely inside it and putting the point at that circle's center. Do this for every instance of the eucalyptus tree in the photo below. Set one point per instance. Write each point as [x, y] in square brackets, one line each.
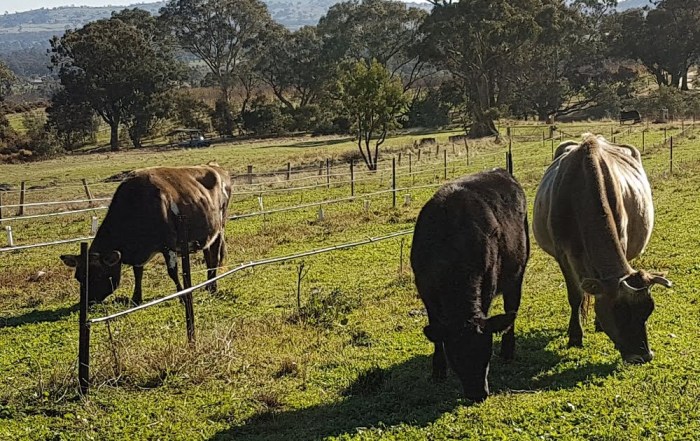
[224, 34]
[118, 67]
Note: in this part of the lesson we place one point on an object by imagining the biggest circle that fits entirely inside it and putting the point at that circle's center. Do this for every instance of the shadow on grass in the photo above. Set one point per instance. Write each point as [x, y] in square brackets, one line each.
[404, 393]
[36, 316]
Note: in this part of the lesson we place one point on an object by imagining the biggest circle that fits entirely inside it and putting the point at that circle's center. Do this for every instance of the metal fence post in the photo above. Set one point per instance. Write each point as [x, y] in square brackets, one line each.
[352, 177]
[84, 339]
[183, 239]
[670, 159]
[393, 182]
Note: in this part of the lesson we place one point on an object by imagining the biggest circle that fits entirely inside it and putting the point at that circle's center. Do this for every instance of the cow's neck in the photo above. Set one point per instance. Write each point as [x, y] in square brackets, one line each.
[600, 227]
[104, 241]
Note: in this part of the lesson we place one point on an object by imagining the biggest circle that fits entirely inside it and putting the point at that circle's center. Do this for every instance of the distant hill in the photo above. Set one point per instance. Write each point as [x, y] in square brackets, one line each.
[29, 29]
[24, 36]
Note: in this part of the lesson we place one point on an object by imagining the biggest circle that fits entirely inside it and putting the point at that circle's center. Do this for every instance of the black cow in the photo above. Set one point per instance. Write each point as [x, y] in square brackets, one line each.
[142, 222]
[471, 243]
[630, 115]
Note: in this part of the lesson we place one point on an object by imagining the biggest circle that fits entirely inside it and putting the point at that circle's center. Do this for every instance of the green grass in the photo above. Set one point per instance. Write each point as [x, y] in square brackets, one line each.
[353, 363]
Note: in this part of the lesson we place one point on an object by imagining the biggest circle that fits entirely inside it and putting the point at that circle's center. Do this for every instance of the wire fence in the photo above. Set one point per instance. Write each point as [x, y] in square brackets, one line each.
[530, 163]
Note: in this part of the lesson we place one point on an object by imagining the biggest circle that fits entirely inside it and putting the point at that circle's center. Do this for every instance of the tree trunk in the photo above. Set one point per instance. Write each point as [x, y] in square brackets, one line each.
[684, 79]
[482, 124]
[482, 128]
[114, 136]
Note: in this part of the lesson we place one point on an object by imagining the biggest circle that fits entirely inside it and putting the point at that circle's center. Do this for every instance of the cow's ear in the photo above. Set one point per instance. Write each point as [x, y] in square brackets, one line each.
[499, 323]
[435, 333]
[112, 258]
[70, 260]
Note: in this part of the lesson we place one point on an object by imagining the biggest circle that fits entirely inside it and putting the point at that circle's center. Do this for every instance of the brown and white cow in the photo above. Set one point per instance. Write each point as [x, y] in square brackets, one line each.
[471, 243]
[594, 212]
[142, 222]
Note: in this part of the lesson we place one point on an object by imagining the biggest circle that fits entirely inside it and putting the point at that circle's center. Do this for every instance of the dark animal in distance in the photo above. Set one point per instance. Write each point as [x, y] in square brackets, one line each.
[630, 115]
[142, 221]
[594, 212]
[471, 243]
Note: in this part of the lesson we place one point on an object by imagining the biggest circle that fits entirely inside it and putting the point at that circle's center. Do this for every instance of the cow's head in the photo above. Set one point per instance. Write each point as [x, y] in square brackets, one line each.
[104, 273]
[622, 307]
[468, 349]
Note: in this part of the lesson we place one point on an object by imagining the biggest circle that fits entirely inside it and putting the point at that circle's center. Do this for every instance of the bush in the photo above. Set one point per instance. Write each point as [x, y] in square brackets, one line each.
[663, 98]
[429, 110]
[325, 310]
[266, 119]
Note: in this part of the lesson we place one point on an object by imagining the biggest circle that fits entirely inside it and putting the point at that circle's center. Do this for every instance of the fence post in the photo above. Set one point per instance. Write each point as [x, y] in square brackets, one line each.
[665, 135]
[552, 149]
[93, 225]
[410, 168]
[670, 159]
[88, 193]
[328, 173]
[399, 159]
[10, 239]
[320, 168]
[444, 160]
[419, 155]
[22, 194]
[250, 174]
[543, 138]
[393, 182]
[1, 193]
[289, 171]
[352, 177]
[84, 338]
[466, 147]
[643, 143]
[183, 239]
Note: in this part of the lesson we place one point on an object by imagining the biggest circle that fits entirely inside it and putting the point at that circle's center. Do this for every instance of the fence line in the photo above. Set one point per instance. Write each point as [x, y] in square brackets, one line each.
[250, 265]
[44, 244]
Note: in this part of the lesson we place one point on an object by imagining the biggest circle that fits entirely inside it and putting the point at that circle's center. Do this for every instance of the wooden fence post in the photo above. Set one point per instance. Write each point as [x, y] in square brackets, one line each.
[328, 173]
[643, 143]
[84, 336]
[1, 193]
[665, 135]
[88, 193]
[320, 168]
[543, 138]
[352, 177]
[419, 155]
[444, 160]
[22, 194]
[250, 174]
[399, 159]
[289, 171]
[183, 239]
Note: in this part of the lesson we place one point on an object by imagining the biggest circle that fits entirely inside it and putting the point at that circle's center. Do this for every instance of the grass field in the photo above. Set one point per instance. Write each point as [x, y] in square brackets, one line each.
[352, 362]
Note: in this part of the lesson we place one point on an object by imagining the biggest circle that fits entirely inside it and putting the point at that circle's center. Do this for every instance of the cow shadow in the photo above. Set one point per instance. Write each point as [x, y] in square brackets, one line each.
[404, 393]
[37, 316]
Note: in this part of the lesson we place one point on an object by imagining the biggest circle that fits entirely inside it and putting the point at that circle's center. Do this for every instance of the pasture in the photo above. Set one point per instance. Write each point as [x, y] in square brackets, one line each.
[344, 357]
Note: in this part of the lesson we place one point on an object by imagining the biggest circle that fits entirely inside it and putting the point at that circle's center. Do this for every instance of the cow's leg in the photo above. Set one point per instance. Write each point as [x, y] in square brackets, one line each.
[575, 302]
[439, 362]
[511, 303]
[171, 264]
[211, 257]
[439, 357]
[137, 298]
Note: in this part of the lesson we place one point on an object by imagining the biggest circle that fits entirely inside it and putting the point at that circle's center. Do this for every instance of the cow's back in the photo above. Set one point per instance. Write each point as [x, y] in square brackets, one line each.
[584, 187]
[142, 217]
[472, 229]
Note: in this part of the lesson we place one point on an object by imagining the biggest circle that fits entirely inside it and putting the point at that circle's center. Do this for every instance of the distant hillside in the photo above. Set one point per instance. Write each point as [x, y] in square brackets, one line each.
[29, 29]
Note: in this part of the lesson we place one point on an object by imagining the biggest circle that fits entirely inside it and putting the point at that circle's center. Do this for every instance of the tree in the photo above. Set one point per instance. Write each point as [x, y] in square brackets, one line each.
[385, 30]
[373, 100]
[666, 39]
[291, 65]
[72, 123]
[222, 33]
[476, 40]
[7, 78]
[121, 67]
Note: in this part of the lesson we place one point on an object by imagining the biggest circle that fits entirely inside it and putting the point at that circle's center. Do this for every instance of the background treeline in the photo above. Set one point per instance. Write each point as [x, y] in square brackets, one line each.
[365, 68]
